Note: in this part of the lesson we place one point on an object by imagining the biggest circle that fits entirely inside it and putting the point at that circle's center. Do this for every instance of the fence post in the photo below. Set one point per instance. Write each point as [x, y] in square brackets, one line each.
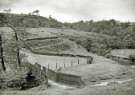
[48, 66]
[64, 60]
[71, 63]
[78, 61]
[64, 65]
[56, 65]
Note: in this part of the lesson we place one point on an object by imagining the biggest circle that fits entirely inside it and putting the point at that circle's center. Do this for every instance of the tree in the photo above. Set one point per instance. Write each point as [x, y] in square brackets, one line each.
[88, 45]
[1, 54]
[17, 40]
[7, 10]
[36, 12]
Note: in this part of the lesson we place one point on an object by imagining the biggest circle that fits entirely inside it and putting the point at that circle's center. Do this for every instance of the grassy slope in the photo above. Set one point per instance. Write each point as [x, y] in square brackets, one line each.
[100, 44]
[69, 41]
[20, 20]
[14, 72]
[8, 46]
[10, 58]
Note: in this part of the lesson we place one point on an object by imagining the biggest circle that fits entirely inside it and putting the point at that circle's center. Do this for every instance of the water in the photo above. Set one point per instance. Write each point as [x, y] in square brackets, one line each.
[113, 82]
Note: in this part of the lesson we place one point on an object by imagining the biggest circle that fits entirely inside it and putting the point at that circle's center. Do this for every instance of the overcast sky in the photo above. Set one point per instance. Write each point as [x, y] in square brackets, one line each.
[74, 10]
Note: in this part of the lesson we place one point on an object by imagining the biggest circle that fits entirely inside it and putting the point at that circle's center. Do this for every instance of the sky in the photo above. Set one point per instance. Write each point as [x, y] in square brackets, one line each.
[75, 10]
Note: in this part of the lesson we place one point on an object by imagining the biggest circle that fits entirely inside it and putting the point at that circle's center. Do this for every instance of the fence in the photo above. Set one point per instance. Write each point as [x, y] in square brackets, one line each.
[121, 60]
[56, 61]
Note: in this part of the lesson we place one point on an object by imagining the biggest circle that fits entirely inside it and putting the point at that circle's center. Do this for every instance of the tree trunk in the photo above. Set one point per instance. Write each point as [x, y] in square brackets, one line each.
[17, 40]
[1, 52]
[18, 56]
[18, 50]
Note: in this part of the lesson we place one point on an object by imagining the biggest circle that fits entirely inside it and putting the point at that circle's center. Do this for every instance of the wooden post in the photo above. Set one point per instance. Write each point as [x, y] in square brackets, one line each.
[56, 65]
[64, 65]
[48, 66]
[64, 60]
[71, 63]
[78, 61]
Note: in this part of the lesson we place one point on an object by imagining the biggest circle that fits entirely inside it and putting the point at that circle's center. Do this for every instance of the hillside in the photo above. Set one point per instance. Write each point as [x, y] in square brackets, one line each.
[121, 34]
[21, 20]
[14, 75]
[47, 35]
[103, 70]
[66, 41]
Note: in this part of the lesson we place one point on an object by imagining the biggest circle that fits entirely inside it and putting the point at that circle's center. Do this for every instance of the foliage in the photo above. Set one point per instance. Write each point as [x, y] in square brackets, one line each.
[122, 33]
[29, 20]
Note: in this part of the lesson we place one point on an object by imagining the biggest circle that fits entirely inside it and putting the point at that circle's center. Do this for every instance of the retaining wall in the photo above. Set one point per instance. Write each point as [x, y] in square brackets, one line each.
[69, 79]
[52, 75]
[65, 78]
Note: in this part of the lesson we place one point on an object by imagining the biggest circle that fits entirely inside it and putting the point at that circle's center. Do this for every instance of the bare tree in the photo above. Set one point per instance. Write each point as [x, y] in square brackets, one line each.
[1, 54]
[17, 40]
